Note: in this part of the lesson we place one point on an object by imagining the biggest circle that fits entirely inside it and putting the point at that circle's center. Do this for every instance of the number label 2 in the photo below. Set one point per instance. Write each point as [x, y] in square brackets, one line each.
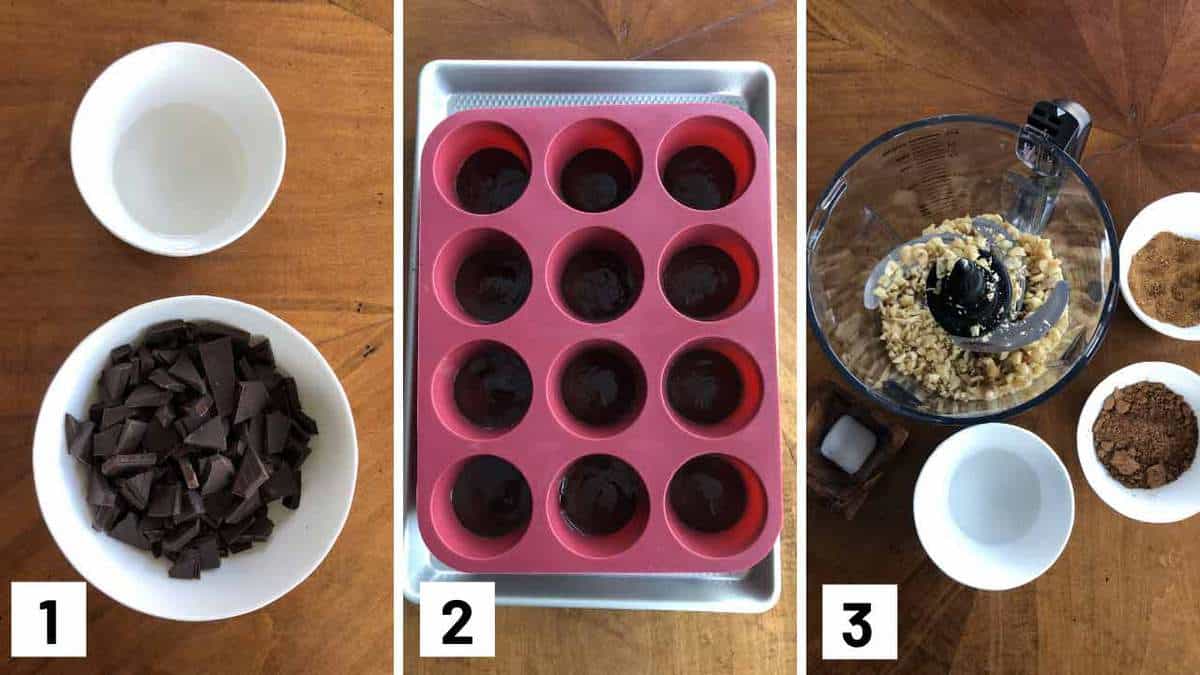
[458, 618]
[452, 636]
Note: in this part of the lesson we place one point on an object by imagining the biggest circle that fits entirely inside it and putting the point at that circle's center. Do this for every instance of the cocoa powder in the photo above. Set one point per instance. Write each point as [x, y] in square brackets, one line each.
[1145, 435]
[1165, 279]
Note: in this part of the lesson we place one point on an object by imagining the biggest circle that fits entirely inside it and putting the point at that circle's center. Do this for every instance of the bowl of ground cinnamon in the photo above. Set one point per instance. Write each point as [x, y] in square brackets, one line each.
[1160, 266]
[1137, 441]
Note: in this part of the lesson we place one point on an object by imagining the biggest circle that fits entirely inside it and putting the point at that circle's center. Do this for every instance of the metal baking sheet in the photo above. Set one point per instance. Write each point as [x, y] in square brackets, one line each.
[447, 87]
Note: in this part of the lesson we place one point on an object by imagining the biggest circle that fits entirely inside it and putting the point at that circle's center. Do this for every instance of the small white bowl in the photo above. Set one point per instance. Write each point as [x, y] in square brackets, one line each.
[1174, 501]
[248, 580]
[994, 506]
[1179, 214]
[178, 149]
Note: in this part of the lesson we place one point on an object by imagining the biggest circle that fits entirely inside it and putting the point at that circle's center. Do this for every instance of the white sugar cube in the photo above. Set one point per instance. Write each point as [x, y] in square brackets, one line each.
[848, 444]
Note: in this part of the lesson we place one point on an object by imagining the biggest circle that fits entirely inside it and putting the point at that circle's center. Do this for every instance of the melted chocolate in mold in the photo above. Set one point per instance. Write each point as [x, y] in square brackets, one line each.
[599, 387]
[599, 285]
[700, 177]
[701, 281]
[704, 386]
[490, 497]
[596, 180]
[490, 181]
[708, 494]
[494, 282]
[493, 388]
[600, 494]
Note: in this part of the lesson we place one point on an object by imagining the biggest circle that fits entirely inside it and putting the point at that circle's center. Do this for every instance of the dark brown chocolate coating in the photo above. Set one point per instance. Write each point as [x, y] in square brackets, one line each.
[704, 386]
[599, 285]
[491, 180]
[599, 387]
[700, 177]
[600, 494]
[708, 494]
[493, 282]
[490, 497]
[701, 281]
[493, 388]
[596, 180]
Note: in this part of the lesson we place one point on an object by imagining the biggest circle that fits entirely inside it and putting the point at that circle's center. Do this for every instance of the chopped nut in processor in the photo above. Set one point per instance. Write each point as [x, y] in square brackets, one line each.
[919, 348]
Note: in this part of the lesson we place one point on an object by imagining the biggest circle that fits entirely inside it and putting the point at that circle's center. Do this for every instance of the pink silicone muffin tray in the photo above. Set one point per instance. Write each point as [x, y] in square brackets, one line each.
[656, 441]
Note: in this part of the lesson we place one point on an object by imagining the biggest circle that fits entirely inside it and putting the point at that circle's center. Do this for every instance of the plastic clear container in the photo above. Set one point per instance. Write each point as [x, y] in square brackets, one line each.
[926, 172]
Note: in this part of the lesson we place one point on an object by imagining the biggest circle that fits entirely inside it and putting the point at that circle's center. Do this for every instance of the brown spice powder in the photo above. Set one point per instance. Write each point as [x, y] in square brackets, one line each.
[1145, 435]
[1165, 279]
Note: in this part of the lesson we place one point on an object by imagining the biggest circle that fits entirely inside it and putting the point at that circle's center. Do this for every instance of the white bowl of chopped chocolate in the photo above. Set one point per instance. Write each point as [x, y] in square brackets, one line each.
[195, 458]
[1137, 440]
[1160, 266]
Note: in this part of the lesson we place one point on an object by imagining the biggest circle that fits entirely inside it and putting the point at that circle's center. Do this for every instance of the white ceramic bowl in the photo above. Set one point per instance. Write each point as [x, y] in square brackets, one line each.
[994, 506]
[1178, 213]
[248, 580]
[1174, 501]
[178, 148]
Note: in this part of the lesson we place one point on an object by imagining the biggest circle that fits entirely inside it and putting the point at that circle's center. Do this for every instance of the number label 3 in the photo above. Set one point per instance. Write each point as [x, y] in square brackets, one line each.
[858, 622]
[458, 619]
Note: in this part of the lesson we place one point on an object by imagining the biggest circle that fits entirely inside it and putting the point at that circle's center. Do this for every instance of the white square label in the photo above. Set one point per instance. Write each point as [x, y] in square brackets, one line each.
[858, 621]
[49, 618]
[458, 618]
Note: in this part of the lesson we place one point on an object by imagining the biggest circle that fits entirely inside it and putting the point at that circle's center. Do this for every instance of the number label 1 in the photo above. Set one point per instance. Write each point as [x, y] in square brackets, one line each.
[458, 619]
[858, 622]
[49, 619]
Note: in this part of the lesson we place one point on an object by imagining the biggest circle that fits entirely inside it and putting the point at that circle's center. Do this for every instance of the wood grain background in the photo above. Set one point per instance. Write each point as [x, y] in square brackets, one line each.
[320, 259]
[593, 641]
[1123, 596]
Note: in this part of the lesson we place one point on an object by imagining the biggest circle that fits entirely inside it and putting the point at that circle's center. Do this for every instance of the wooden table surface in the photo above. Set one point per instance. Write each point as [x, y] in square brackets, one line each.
[1122, 598]
[320, 259]
[594, 641]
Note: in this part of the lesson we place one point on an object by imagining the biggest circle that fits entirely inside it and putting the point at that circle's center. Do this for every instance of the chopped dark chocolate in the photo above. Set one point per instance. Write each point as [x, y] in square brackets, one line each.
[114, 415]
[252, 398]
[186, 566]
[192, 434]
[219, 475]
[217, 358]
[250, 476]
[129, 531]
[136, 490]
[184, 370]
[132, 434]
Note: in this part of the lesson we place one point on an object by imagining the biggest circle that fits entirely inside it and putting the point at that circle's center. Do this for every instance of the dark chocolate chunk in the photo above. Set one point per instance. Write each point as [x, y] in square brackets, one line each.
[211, 435]
[187, 565]
[114, 415]
[192, 506]
[295, 455]
[163, 500]
[132, 434]
[210, 555]
[181, 536]
[154, 529]
[123, 465]
[190, 479]
[278, 425]
[207, 331]
[159, 439]
[217, 358]
[292, 502]
[250, 476]
[308, 424]
[201, 407]
[71, 427]
[252, 398]
[120, 354]
[246, 370]
[148, 395]
[80, 444]
[186, 425]
[260, 350]
[239, 546]
[244, 508]
[254, 433]
[165, 415]
[219, 476]
[166, 334]
[115, 379]
[259, 530]
[105, 518]
[100, 493]
[129, 531]
[105, 442]
[165, 357]
[163, 379]
[282, 483]
[218, 505]
[185, 371]
[136, 490]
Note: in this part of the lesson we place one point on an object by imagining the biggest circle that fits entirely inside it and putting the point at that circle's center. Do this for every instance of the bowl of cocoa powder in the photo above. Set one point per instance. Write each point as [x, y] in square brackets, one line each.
[1160, 266]
[1137, 440]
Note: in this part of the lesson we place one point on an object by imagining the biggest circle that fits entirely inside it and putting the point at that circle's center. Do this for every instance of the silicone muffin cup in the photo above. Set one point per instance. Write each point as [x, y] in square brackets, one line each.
[644, 231]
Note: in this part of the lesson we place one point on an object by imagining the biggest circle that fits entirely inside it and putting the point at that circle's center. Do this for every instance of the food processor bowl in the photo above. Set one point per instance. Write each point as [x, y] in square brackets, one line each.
[945, 167]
